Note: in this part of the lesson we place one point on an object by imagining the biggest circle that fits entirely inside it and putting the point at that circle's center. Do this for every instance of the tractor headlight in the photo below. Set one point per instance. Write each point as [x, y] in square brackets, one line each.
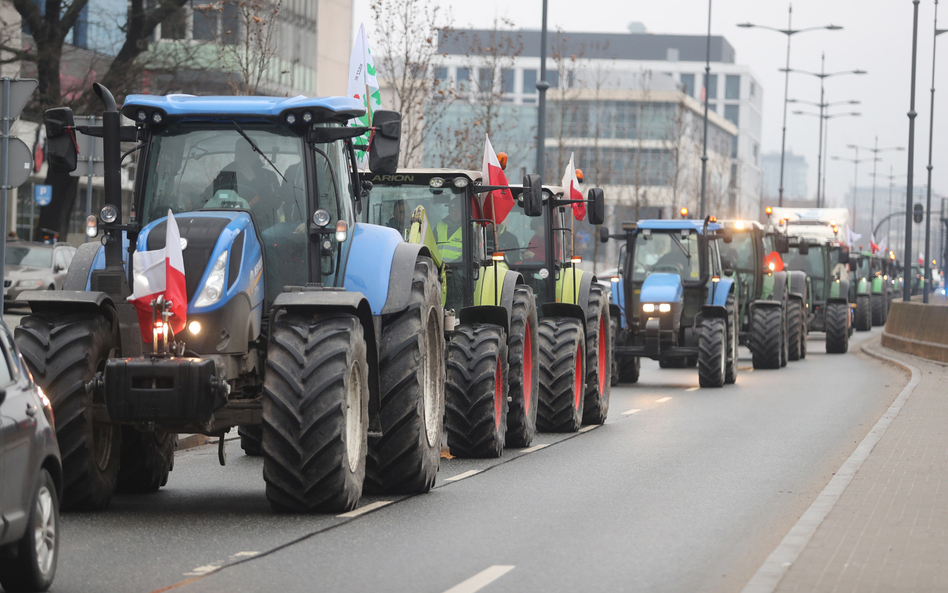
[664, 308]
[108, 214]
[648, 308]
[214, 287]
[321, 217]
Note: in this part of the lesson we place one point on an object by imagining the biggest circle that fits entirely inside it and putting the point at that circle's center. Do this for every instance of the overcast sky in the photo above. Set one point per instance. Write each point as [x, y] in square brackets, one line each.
[877, 37]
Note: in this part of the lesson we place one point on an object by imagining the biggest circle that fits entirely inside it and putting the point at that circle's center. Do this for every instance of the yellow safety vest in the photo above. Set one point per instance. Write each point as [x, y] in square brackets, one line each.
[451, 248]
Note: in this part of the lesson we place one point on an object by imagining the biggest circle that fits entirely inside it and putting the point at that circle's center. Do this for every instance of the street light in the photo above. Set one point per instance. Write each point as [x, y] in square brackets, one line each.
[891, 178]
[931, 137]
[542, 86]
[824, 133]
[875, 153]
[789, 32]
[704, 151]
[825, 139]
[822, 75]
[909, 197]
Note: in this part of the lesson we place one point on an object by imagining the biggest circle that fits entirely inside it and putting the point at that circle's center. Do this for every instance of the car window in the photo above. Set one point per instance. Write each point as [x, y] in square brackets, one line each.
[34, 257]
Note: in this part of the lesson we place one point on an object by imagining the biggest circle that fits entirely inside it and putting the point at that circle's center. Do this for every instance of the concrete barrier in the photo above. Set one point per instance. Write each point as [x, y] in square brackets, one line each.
[917, 329]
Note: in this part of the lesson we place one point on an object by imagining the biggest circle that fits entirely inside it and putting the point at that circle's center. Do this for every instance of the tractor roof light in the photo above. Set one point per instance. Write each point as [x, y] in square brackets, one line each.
[683, 212]
[156, 117]
[768, 210]
[290, 118]
[712, 218]
[436, 182]
[141, 116]
[576, 259]
[739, 225]
[307, 117]
[461, 182]
[498, 256]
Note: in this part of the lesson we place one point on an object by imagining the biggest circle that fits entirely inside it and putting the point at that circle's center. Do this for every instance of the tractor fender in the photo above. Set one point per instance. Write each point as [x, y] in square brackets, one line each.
[718, 296]
[498, 316]
[564, 310]
[573, 286]
[617, 300]
[81, 266]
[662, 287]
[486, 294]
[863, 287]
[768, 304]
[877, 285]
[369, 267]
[354, 303]
[839, 291]
[713, 311]
[797, 281]
[781, 286]
[403, 269]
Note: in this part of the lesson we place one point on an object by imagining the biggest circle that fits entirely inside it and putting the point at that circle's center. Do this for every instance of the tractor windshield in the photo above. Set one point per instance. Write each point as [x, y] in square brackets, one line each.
[812, 264]
[741, 253]
[666, 251]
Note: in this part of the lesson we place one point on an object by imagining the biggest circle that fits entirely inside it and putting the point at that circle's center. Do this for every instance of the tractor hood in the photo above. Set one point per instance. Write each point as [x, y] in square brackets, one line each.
[661, 287]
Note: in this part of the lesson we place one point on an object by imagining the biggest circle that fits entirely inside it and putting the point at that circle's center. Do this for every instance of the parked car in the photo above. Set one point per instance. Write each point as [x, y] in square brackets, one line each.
[34, 266]
[31, 477]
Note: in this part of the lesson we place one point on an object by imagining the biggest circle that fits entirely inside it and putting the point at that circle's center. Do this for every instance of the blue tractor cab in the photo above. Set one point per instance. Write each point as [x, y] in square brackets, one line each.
[290, 304]
[678, 306]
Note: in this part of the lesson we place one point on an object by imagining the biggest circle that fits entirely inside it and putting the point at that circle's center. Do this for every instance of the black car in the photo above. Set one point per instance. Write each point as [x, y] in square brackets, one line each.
[30, 477]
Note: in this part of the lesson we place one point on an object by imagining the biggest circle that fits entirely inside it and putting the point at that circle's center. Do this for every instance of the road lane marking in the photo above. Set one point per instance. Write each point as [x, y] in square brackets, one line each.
[630, 412]
[466, 474]
[590, 427]
[366, 509]
[662, 400]
[200, 570]
[769, 575]
[536, 448]
[693, 389]
[481, 579]
[245, 554]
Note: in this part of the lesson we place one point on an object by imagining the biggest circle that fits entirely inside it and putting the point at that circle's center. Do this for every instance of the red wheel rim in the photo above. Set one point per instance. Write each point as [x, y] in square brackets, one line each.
[578, 378]
[603, 355]
[498, 394]
[527, 369]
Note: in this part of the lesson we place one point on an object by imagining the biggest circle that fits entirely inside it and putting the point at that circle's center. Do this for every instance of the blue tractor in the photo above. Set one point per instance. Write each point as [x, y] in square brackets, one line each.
[318, 336]
[677, 304]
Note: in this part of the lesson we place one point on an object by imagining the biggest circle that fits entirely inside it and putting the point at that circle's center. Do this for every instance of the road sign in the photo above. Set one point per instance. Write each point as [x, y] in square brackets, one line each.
[20, 163]
[43, 194]
[20, 91]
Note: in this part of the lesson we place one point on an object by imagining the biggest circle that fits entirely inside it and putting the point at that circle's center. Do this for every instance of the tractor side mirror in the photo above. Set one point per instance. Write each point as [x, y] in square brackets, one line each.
[804, 248]
[60, 143]
[603, 234]
[727, 235]
[532, 195]
[597, 214]
[782, 243]
[843, 256]
[383, 151]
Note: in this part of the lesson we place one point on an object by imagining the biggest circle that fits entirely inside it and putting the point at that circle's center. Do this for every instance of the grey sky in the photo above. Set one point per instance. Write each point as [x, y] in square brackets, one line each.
[877, 37]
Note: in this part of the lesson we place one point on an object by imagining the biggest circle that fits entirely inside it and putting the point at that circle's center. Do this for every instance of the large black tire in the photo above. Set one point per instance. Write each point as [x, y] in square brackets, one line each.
[766, 337]
[878, 310]
[405, 459]
[524, 374]
[794, 329]
[712, 352]
[30, 565]
[562, 374]
[863, 313]
[64, 352]
[147, 459]
[251, 439]
[598, 357]
[475, 415]
[629, 368]
[730, 369]
[614, 379]
[315, 413]
[784, 338]
[837, 328]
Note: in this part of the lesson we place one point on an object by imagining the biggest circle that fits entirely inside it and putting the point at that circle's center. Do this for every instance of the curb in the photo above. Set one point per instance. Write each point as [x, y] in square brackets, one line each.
[769, 575]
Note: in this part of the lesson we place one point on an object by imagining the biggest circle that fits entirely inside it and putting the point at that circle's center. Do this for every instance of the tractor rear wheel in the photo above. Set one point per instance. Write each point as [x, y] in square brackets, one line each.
[598, 357]
[837, 328]
[878, 310]
[475, 415]
[562, 374]
[251, 439]
[524, 374]
[405, 459]
[766, 337]
[730, 371]
[863, 313]
[712, 352]
[315, 413]
[64, 353]
[794, 329]
[614, 379]
[629, 368]
[147, 459]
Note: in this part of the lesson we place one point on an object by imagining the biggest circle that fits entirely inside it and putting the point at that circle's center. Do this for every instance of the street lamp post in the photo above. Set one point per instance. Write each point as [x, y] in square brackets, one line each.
[704, 152]
[888, 229]
[542, 86]
[909, 197]
[855, 163]
[824, 118]
[931, 139]
[824, 139]
[875, 153]
[789, 32]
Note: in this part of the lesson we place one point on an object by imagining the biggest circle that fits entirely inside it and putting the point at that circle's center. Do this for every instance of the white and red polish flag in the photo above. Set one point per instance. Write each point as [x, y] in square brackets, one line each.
[570, 186]
[497, 204]
[160, 272]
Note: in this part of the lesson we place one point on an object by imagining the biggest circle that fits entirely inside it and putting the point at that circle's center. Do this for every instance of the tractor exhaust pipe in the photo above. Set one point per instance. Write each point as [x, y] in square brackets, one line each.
[111, 141]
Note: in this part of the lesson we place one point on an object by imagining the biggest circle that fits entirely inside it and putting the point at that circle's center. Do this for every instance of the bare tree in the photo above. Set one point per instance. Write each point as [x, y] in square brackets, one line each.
[406, 62]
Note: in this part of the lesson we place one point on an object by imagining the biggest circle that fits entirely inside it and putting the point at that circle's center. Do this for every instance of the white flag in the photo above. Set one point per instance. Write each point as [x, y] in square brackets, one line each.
[363, 85]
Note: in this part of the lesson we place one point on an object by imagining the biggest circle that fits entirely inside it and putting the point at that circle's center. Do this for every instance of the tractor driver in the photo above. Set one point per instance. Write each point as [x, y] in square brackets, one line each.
[448, 235]
[253, 182]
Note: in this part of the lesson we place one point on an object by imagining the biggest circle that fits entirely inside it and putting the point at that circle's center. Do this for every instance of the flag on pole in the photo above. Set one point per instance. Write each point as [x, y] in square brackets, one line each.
[160, 272]
[363, 85]
[571, 190]
[39, 149]
[852, 237]
[873, 246]
[496, 204]
[883, 244]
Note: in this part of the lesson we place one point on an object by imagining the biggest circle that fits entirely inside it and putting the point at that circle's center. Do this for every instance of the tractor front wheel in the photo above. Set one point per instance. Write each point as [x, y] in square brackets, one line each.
[863, 313]
[712, 352]
[562, 374]
[794, 329]
[524, 374]
[598, 357]
[878, 310]
[837, 328]
[147, 459]
[766, 342]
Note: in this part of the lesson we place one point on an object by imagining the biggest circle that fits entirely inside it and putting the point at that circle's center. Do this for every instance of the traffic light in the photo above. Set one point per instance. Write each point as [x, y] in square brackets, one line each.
[918, 214]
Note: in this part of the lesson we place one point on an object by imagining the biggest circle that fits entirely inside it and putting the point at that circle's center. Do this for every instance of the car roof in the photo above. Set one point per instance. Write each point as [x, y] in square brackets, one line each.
[675, 225]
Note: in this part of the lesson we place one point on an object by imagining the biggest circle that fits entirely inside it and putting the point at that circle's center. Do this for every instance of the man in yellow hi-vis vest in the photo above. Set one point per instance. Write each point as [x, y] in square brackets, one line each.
[448, 235]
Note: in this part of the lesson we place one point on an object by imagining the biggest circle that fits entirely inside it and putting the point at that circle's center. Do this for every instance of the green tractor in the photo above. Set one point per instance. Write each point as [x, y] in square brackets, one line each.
[824, 263]
[870, 289]
[575, 315]
[491, 375]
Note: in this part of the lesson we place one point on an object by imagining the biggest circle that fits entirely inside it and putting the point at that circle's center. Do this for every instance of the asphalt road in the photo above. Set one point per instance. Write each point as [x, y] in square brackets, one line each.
[683, 489]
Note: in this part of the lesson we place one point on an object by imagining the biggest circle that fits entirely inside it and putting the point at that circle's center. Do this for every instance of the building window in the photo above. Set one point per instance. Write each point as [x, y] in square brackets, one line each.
[553, 77]
[732, 87]
[732, 114]
[507, 81]
[672, 54]
[712, 107]
[753, 89]
[463, 79]
[176, 25]
[733, 147]
[712, 86]
[441, 74]
[485, 80]
[688, 81]
[529, 82]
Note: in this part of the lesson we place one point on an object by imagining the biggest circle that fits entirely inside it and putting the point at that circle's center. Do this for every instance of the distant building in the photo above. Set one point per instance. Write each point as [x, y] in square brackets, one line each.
[794, 176]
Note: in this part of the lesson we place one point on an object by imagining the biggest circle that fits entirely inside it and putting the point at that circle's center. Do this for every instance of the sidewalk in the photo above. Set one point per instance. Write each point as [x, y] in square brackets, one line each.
[888, 530]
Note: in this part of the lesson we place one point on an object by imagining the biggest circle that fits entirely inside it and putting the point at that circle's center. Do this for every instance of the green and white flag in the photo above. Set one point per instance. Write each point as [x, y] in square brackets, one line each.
[363, 85]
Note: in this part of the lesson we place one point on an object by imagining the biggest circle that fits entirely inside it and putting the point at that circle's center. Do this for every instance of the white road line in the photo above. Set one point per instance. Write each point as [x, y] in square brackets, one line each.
[202, 570]
[590, 427]
[466, 474]
[366, 509]
[245, 554]
[535, 448]
[769, 575]
[693, 389]
[630, 412]
[481, 579]
[662, 400]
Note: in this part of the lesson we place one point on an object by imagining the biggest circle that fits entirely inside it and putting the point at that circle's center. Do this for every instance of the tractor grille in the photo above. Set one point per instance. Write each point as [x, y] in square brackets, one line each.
[202, 233]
